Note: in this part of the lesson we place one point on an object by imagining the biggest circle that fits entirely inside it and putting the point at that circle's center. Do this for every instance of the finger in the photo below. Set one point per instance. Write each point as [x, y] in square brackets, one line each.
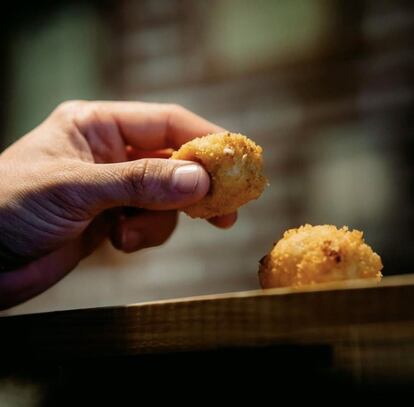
[157, 184]
[144, 126]
[225, 221]
[146, 229]
[134, 154]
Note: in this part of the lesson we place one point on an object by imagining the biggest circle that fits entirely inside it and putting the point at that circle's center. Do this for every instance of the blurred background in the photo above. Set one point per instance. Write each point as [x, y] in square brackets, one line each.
[325, 86]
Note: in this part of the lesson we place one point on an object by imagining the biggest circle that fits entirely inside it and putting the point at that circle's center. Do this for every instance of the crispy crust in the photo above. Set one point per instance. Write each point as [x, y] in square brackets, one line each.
[235, 166]
[318, 254]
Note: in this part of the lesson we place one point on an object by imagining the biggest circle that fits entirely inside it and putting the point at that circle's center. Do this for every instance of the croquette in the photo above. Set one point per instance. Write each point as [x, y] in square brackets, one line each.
[234, 164]
[318, 254]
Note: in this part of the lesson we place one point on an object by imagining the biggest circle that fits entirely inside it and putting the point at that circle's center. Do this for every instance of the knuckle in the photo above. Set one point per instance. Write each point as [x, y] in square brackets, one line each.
[176, 108]
[84, 115]
[69, 107]
[96, 122]
[134, 175]
[143, 178]
[91, 110]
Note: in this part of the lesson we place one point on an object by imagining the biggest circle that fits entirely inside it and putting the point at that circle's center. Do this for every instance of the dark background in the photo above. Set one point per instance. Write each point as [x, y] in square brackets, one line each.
[326, 87]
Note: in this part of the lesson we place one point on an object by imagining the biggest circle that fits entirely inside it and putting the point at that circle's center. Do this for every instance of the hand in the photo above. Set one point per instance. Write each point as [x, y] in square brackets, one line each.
[63, 187]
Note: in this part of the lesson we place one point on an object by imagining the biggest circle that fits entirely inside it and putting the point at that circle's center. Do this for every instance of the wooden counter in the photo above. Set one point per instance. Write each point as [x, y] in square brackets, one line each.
[363, 330]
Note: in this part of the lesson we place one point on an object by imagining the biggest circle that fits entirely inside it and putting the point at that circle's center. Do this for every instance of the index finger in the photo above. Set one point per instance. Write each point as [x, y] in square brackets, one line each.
[148, 126]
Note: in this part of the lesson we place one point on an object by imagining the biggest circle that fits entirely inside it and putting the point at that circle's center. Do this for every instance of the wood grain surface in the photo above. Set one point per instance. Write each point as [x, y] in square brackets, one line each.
[369, 326]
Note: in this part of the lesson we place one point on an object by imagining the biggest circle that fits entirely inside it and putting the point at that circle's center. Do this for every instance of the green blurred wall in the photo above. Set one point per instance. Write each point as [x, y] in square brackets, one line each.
[56, 58]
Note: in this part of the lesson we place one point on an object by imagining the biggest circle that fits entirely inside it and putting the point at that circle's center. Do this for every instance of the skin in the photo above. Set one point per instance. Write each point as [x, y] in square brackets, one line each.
[91, 171]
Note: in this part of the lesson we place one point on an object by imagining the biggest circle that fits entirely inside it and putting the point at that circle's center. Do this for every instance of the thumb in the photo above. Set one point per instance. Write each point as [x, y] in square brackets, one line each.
[159, 184]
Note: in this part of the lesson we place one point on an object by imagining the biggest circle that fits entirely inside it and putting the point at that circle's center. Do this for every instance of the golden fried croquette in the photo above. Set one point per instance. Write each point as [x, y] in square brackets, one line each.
[318, 254]
[234, 164]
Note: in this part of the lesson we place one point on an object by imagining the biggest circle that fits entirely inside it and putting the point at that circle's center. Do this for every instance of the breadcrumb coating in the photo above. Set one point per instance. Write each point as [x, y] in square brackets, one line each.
[234, 164]
[318, 254]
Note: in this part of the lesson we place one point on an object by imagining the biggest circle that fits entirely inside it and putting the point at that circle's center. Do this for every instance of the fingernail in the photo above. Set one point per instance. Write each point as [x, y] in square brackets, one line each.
[185, 178]
[131, 239]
